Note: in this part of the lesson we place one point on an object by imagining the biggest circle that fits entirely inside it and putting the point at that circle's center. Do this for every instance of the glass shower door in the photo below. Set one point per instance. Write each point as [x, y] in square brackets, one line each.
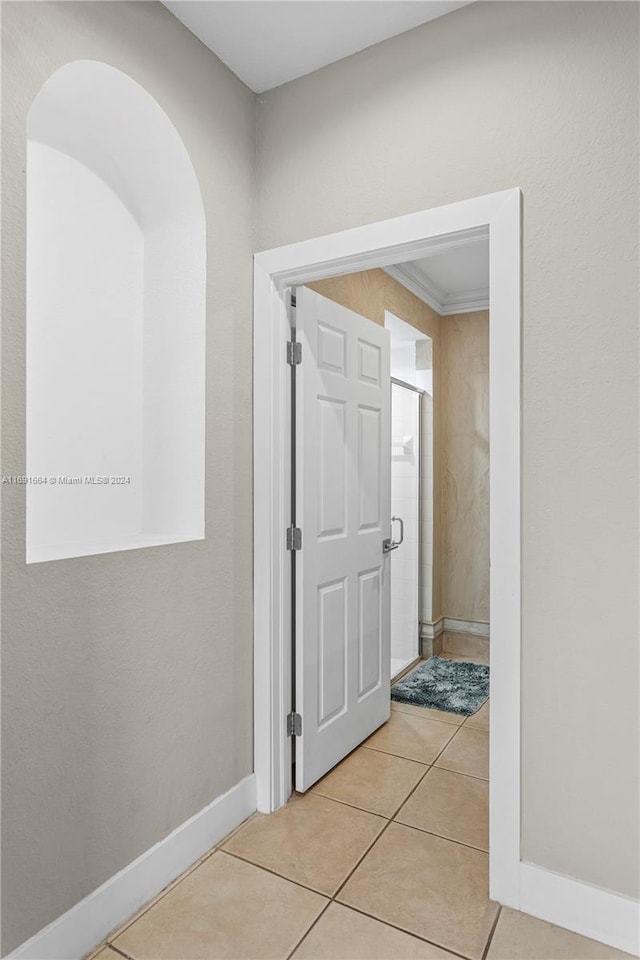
[405, 503]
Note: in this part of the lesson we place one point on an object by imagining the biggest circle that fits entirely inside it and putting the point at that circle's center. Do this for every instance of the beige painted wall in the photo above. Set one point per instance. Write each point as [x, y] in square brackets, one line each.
[543, 96]
[126, 678]
[464, 398]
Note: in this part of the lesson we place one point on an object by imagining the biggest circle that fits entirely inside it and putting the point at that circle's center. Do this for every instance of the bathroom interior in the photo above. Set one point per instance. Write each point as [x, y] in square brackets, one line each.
[437, 314]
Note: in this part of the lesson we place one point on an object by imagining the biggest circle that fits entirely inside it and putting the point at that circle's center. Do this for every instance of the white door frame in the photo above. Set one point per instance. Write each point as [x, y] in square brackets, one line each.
[380, 244]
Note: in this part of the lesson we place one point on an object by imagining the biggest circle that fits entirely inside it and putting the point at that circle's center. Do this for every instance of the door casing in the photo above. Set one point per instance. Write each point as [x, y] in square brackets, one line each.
[413, 236]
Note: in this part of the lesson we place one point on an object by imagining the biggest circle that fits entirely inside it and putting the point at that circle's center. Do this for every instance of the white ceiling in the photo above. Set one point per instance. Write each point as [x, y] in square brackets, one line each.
[269, 42]
[455, 281]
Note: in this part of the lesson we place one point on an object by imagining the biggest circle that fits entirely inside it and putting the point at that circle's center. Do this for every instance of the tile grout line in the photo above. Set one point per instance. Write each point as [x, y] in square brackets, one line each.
[117, 950]
[360, 859]
[307, 932]
[410, 713]
[259, 866]
[492, 932]
[438, 836]
[375, 813]
[456, 730]
[472, 776]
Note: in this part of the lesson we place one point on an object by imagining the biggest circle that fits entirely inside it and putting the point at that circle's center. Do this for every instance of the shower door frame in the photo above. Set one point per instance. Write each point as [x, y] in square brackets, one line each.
[395, 381]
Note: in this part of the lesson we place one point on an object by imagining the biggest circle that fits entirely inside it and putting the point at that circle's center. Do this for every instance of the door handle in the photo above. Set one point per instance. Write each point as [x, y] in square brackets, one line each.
[391, 544]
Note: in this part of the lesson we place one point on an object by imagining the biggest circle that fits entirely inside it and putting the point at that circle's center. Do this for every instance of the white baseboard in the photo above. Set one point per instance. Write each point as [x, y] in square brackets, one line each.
[429, 631]
[474, 628]
[90, 921]
[590, 911]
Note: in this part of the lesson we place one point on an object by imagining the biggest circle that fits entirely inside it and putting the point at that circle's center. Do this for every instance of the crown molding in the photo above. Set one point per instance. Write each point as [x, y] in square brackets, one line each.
[436, 298]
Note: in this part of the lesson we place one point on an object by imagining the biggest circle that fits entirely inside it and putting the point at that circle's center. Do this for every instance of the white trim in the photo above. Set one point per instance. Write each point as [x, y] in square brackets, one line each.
[380, 244]
[430, 293]
[429, 631]
[468, 302]
[473, 628]
[87, 923]
[590, 911]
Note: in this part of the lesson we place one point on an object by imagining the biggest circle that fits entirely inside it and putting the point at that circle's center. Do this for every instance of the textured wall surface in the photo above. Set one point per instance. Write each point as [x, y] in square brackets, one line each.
[543, 96]
[464, 396]
[126, 678]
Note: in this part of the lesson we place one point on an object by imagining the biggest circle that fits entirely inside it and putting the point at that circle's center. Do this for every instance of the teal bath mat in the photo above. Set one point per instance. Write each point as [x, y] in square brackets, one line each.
[452, 685]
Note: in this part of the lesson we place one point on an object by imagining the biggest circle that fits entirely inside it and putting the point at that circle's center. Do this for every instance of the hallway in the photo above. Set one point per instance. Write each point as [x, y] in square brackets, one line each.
[386, 857]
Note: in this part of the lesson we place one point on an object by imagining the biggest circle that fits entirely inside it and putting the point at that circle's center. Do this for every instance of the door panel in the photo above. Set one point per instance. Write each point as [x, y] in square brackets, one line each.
[369, 466]
[332, 493]
[343, 490]
[369, 632]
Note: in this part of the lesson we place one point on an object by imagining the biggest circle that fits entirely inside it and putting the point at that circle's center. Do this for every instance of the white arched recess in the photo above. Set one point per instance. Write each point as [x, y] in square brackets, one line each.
[116, 283]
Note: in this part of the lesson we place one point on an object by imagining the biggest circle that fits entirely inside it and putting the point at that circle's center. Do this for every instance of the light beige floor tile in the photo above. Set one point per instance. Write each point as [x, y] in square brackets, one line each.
[312, 840]
[412, 737]
[106, 953]
[428, 886]
[467, 753]
[520, 937]
[450, 805]
[341, 932]
[226, 908]
[371, 780]
[480, 720]
[427, 713]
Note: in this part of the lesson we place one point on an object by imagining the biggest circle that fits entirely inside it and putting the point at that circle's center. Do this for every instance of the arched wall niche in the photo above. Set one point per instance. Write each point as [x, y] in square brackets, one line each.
[116, 285]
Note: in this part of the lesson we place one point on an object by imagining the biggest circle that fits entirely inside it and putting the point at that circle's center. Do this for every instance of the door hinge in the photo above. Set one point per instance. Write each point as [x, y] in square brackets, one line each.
[294, 352]
[294, 538]
[294, 725]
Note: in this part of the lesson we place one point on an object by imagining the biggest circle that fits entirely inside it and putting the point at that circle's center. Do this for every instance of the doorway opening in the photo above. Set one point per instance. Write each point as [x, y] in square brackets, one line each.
[378, 245]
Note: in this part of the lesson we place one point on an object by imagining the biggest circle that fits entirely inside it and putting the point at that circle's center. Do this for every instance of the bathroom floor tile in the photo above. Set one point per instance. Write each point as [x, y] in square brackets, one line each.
[428, 886]
[374, 781]
[467, 753]
[520, 937]
[226, 908]
[341, 932]
[426, 713]
[312, 840]
[450, 805]
[480, 720]
[105, 954]
[414, 738]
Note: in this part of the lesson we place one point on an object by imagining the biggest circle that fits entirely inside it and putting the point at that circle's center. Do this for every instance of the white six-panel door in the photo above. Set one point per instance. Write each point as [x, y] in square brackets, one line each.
[343, 484]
